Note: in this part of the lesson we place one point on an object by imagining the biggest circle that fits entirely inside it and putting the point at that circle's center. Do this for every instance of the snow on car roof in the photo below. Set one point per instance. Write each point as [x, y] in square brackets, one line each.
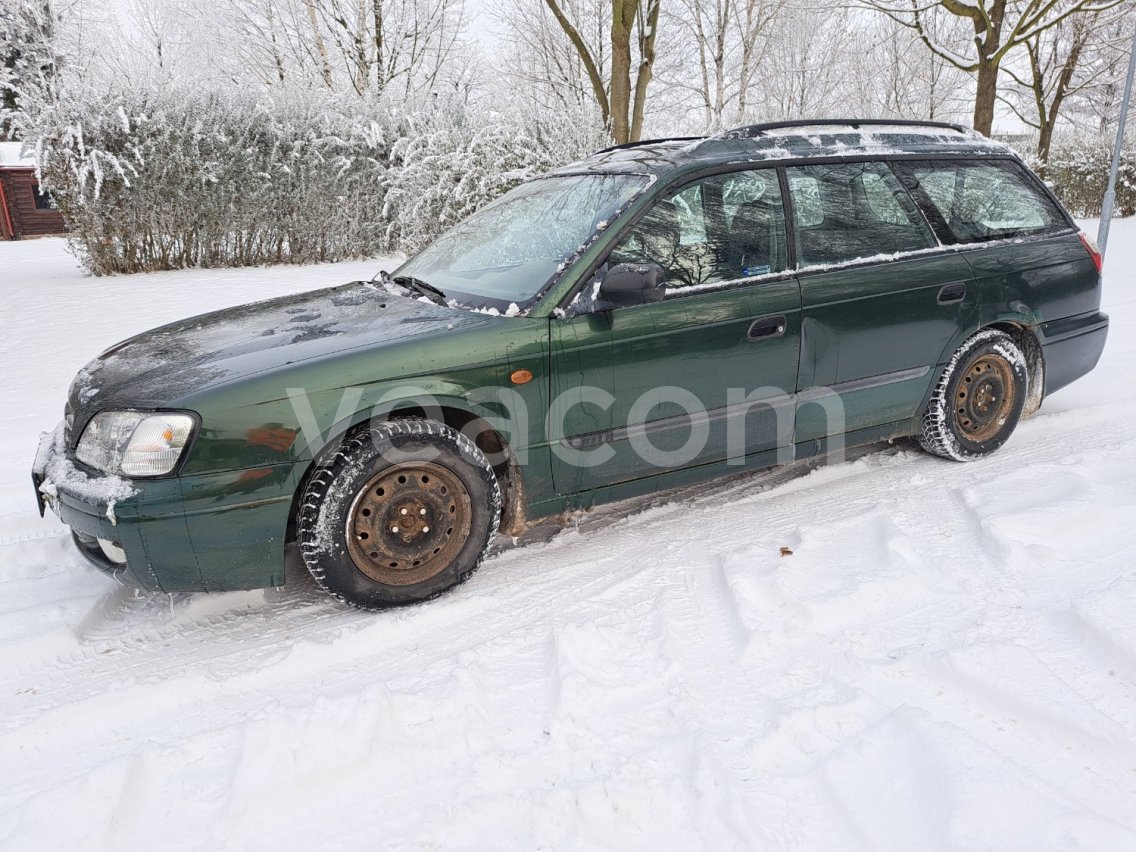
[824, 139]
[793, 140]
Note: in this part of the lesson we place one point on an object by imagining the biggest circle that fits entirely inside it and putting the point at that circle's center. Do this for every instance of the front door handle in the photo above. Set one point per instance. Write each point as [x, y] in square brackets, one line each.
[766, 327]
[952, 293]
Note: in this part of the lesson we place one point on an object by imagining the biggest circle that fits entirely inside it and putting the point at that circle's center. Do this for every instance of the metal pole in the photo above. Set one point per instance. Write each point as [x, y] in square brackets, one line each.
[1110, 192]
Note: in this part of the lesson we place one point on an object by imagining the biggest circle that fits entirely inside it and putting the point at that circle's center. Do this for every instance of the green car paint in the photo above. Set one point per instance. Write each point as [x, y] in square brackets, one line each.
[273, 385]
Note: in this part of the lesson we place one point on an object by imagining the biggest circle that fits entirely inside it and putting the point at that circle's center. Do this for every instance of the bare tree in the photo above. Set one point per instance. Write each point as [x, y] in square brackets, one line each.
[538, 61]
[259, 38]
[368, 47]
[1053, 61]
[1069, 61]
[727, 39]
[896, 77]
[633, 34]
[1093, 101]
[804, 71]
[319, 43]
[998, 26]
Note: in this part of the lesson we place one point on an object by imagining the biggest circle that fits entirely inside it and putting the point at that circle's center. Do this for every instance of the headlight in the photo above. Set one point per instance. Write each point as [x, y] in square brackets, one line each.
[134, 443]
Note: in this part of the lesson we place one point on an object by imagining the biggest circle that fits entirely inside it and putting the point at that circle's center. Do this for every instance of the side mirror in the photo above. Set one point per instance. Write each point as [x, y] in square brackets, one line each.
[633, 284]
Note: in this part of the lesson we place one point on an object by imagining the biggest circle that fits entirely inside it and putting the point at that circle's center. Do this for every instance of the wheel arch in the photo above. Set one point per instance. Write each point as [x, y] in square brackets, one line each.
[462, 419]
[940, 431]
[1025, 336]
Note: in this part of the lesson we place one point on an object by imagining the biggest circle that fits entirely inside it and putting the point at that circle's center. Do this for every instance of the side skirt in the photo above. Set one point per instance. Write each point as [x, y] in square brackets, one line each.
[666, 480]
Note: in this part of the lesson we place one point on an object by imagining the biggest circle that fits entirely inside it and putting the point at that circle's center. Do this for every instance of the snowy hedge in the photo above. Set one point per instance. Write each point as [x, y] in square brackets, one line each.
[166, 179]
[1078, 173]
[440, 170]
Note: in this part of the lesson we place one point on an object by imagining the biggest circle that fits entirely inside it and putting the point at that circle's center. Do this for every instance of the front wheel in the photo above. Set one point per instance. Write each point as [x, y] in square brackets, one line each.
[978, 399]
[402, 512]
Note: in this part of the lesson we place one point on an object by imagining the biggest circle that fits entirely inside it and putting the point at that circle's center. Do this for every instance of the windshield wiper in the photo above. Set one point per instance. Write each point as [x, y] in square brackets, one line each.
[417, 285]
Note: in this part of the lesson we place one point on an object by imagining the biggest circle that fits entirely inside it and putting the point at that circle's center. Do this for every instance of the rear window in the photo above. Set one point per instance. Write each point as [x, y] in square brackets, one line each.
[984, 200]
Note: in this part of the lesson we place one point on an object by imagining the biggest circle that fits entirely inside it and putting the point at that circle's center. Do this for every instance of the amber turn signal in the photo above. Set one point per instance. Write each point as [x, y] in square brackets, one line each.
[521, 377]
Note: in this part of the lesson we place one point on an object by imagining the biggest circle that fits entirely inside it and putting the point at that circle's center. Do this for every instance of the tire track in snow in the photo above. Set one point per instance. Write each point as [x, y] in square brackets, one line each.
[225, 659]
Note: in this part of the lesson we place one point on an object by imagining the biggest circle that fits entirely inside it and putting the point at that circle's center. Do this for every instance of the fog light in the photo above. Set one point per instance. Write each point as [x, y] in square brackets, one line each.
[112, 551]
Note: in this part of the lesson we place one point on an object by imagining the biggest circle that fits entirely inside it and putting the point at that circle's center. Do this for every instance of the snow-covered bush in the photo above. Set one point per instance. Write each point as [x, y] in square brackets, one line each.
[442, 168]
[158, 180]
[1078, 173]
[166, 178]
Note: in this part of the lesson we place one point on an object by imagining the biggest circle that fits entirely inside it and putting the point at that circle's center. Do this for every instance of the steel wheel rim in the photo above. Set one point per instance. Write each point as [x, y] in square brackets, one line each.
[984, 398]
[408, 523]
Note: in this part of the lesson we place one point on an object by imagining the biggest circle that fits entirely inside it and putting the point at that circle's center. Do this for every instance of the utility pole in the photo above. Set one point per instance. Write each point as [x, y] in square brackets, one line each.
[1110, 192]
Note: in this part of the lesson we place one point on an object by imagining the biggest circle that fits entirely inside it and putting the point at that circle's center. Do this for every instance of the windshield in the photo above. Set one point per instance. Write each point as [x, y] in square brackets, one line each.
[508, 250]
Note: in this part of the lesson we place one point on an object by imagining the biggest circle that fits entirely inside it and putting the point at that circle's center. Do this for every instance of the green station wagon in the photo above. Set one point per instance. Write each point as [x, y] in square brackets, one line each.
[655, 315]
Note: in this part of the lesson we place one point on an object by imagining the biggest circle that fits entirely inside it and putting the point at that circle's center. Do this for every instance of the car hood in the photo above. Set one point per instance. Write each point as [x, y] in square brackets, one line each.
[168, 363]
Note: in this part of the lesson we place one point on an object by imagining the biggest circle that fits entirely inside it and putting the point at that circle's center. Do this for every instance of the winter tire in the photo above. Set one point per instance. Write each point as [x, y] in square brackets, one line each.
[978, 399]
[401, 513]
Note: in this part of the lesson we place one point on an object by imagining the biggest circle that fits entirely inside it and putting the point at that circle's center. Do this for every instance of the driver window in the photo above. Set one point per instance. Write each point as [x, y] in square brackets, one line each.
[720, 229]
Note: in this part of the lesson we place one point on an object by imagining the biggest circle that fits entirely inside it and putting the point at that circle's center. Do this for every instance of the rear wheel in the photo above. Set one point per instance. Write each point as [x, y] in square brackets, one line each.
[403, 512]
[978, 400]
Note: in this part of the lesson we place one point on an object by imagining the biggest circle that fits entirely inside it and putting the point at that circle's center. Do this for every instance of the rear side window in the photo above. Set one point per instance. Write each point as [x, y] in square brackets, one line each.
[983, 200]
[850, 211]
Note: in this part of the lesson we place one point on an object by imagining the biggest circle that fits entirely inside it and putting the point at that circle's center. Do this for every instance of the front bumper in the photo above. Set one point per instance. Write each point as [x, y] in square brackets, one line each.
[94, 550]
[209, 532]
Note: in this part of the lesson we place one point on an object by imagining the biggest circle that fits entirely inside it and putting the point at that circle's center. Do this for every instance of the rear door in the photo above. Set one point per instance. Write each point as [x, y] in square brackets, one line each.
[1028, 253]
[706, 375]
[881, 300]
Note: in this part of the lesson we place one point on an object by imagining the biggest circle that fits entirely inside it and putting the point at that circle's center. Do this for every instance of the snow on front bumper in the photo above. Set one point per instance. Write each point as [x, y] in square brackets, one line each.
[55, 475]
[86, 504]
[217, 531]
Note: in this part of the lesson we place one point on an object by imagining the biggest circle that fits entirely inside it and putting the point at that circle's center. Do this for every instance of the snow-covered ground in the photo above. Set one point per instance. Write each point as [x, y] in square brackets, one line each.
[947, 660]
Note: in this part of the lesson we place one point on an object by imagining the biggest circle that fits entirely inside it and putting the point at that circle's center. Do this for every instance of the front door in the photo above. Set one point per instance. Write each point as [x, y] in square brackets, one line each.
[706, 375]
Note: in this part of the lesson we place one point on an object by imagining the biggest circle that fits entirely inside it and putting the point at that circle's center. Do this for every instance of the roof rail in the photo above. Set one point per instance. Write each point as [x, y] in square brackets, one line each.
[650, 142]
[753, 130]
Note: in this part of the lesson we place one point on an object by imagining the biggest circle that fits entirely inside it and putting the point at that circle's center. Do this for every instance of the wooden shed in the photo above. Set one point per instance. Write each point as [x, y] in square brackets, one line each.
[25, 211]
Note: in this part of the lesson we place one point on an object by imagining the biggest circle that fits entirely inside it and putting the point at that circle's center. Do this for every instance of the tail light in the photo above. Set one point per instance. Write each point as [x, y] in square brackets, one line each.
[1091, 248]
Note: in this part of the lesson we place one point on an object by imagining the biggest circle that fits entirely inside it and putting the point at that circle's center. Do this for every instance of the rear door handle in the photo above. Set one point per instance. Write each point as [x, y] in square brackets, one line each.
[951, 293]
[765, 327]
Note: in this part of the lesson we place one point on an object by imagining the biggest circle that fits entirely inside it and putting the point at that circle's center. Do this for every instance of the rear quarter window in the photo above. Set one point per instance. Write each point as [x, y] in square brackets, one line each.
[976, 201]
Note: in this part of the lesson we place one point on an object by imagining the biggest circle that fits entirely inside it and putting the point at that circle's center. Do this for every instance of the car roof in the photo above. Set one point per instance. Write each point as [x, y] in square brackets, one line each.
[759, 143]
